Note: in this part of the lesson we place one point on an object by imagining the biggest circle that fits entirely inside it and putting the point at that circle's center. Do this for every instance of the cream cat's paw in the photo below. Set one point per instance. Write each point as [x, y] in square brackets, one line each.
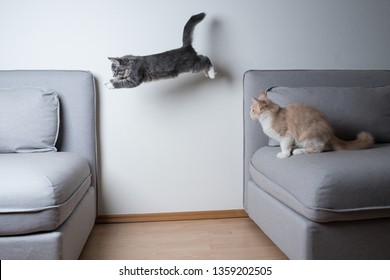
[109, 85]
[298, 152]
[282, 155]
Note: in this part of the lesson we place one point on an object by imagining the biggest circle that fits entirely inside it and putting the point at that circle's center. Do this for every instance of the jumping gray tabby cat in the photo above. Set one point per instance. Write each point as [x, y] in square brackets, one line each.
[130, 71]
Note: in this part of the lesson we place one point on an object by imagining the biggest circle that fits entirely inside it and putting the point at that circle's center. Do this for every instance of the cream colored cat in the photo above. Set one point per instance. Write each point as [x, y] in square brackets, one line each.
[302, 126]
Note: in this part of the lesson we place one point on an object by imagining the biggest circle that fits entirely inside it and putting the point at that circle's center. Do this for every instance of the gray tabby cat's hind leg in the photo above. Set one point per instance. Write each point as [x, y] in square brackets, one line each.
[207, 67]
[211, 73]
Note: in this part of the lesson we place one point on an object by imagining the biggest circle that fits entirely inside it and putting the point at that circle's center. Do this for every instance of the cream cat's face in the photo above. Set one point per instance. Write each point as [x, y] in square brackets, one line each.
[255, 109]
[260, 105]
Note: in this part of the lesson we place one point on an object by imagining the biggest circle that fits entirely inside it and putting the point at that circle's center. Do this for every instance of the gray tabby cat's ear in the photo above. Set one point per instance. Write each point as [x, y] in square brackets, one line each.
[114, 60]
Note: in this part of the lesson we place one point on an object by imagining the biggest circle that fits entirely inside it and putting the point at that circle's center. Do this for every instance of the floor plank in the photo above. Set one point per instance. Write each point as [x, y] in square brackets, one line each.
[223, 239]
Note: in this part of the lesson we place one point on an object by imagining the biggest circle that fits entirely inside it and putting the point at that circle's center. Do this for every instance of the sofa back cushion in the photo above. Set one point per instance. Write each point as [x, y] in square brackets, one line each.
[29, 120]
[349, 109]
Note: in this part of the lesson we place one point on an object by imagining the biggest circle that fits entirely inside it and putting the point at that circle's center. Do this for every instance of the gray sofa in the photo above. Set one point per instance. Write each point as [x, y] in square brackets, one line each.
[333, 205]
[48, 169]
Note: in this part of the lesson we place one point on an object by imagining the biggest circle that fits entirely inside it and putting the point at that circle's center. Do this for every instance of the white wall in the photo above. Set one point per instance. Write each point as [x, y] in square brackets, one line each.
[176, 145]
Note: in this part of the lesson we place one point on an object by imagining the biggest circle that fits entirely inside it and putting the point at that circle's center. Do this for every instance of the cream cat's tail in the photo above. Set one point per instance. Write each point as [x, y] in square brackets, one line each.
[364, 140]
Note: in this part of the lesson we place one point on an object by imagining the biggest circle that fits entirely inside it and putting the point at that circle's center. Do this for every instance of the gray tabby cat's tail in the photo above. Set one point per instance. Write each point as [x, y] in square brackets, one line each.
[189, 28]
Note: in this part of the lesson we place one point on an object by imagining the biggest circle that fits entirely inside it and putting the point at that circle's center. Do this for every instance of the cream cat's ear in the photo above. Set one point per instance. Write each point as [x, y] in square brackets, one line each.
[262, 95]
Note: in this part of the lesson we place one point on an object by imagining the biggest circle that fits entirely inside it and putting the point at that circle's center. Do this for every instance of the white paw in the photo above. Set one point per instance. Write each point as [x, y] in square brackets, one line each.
[298, 152]
[282, 155]
[109, 85]
[211, 73]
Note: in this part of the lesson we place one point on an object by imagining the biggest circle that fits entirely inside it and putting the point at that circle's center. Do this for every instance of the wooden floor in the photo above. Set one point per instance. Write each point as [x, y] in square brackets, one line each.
[223, 239]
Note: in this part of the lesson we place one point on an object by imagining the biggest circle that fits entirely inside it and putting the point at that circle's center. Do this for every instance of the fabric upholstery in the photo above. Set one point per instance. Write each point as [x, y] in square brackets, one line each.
[301, 238]
[296, 235]
[66, 242]
[40, 190]
[61, 211]
[29, 120]
[330, 186]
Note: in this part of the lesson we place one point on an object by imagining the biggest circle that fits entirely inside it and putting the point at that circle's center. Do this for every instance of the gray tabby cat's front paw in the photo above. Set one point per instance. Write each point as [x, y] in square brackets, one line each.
[109, 85]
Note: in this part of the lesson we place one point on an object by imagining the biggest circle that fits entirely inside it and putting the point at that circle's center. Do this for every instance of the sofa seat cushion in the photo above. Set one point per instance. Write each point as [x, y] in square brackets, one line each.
[330, 186]
[38, 191]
